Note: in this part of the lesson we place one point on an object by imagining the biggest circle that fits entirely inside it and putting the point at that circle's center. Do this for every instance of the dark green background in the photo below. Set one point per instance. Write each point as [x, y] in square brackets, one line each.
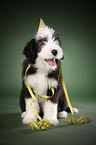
[75, 22]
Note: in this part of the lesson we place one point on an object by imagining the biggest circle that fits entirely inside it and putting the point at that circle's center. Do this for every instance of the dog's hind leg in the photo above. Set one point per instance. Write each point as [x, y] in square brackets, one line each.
[62, 105]
[63, 110]
[64, 114]
[22, 101]
[75, 110]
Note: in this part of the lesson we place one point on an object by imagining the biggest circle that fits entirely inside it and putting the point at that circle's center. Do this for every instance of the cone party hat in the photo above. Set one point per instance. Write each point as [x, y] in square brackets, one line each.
[41, 25]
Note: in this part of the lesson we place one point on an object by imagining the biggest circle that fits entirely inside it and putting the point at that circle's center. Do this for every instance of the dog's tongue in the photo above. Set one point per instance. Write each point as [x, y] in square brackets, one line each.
[51, 62]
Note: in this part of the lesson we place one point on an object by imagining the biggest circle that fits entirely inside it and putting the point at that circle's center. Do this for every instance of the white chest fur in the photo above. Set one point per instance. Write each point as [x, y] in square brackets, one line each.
[40, 82]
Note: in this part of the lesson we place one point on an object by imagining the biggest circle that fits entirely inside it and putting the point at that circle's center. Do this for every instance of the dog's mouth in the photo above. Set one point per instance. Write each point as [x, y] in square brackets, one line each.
[51, 62]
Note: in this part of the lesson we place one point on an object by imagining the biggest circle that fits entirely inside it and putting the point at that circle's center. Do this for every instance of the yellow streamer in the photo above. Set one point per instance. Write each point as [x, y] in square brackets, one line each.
[65, 91]
[84, 119]
[29, 89]
[44, 123]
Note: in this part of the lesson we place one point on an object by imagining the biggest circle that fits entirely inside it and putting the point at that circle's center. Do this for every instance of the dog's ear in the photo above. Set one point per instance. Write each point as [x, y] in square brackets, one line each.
[30, 51]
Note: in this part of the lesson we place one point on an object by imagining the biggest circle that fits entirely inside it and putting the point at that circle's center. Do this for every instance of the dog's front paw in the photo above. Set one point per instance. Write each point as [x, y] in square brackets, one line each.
[28, 117]
[54, 121]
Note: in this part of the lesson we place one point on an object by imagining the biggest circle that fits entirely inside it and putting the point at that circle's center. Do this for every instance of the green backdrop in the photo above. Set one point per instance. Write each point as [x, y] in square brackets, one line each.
[75, 22]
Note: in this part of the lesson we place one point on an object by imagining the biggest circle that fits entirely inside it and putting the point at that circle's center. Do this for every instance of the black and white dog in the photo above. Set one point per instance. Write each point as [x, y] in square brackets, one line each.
[44, 53]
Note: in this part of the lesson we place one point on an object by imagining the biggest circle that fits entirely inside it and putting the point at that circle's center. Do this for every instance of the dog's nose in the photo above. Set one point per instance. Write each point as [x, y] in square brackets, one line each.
[54, 52]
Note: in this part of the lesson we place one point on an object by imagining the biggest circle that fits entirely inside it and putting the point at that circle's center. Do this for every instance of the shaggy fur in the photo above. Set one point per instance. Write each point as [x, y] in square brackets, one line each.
[44, 53]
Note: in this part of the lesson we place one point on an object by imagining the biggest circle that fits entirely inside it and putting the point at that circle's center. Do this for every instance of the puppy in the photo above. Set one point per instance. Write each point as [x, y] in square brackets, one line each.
[44, 53]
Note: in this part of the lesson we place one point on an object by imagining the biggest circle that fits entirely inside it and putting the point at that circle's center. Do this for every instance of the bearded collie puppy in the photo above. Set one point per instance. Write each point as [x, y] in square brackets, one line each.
[44, 53]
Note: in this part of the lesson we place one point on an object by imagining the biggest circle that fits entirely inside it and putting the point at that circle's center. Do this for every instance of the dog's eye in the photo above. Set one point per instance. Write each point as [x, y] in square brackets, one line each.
[40, 44]
[56, 38]
[41, 41]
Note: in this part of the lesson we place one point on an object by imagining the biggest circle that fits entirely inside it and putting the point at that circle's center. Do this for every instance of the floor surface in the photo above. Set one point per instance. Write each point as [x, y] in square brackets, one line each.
[13, 132]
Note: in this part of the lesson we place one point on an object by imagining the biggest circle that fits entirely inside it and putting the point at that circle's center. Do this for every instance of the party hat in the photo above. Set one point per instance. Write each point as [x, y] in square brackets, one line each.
[41, 25]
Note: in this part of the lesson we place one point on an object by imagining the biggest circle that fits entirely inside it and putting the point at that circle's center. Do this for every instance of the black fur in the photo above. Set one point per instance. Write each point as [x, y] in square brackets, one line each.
[54, 74]
[59, 96]
[31, 52]
[31, 70]
[56, 38]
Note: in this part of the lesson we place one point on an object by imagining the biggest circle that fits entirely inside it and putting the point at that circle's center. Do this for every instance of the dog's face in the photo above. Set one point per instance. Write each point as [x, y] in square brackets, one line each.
[45, 50]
